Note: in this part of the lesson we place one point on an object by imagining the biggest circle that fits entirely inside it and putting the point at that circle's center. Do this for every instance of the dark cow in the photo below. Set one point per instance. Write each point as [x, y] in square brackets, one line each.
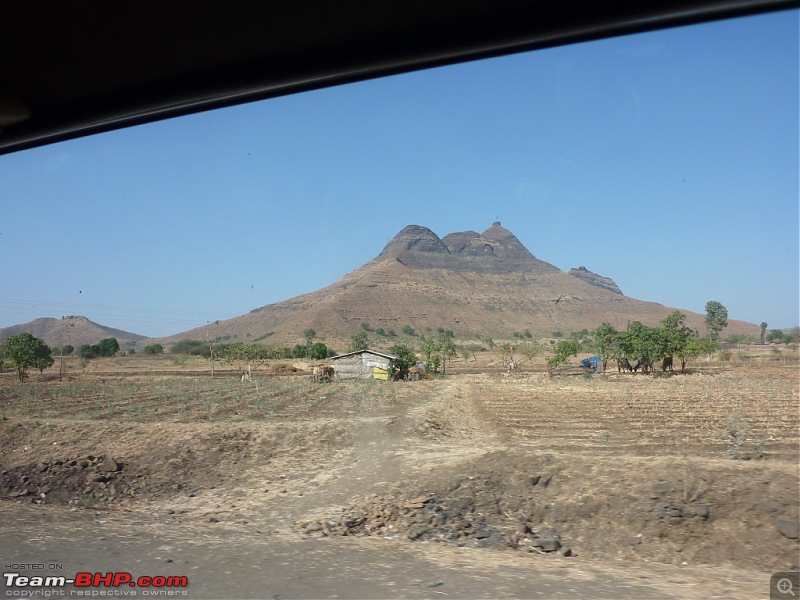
[644, 364]
[623, 363]
[666, 363]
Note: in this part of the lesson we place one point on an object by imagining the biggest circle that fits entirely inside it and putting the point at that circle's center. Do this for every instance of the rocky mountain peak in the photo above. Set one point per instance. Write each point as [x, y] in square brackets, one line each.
[495, 250]
[596, 280]
[414, 238]
[506, 243]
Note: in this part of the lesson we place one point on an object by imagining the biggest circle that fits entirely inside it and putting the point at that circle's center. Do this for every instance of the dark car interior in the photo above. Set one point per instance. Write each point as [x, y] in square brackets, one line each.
[74, 68]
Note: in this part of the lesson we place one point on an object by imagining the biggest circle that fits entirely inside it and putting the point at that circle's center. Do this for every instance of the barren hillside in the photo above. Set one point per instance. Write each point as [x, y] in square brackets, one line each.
[476, 285]
[72, 330]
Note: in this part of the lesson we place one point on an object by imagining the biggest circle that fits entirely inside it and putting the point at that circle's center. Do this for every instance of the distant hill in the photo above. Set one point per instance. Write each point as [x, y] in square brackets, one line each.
[475, 284]
[72, 330]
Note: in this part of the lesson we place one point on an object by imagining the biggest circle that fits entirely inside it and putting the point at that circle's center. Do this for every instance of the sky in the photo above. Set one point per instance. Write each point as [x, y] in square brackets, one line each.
[668, 161]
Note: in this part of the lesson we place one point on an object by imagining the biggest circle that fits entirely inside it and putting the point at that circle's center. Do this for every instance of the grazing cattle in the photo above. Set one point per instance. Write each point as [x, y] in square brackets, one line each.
[412, 374]
[666, 363]
[323, 374]
[644, 364]
[624, 363]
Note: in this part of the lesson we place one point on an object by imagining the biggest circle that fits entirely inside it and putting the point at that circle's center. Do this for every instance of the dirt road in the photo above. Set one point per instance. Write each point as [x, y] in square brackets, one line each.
[232, 562]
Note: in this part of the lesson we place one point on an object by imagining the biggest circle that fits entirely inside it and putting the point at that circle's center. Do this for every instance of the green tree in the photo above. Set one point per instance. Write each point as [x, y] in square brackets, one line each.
[319, 351]
[775, 335]
[87, 351]
[405, 356]
[153, 349]
[428, 348]
[763, 331]
[408, 330]
[564, 349]
[25, 351]
[309, 334]
[716, 318]
[108, 347]
[606, 342]
[646, 344]
[676, 336]
[359, 341]
[191, 347]
[447, 349]
[695, 348]
[530, 350]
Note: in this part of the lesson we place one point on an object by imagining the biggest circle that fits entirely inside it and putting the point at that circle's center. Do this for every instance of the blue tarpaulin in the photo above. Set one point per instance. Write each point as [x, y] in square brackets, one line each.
[591, 362]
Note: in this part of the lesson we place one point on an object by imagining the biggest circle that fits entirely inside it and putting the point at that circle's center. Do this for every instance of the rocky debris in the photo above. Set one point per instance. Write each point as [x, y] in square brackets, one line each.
[605, 283]
[472, 511]
[787, 528]
[541, 480]
[421, 518]
[699, 510]
[672, 514]
[85, 480]
[668, 513]
[547, 540]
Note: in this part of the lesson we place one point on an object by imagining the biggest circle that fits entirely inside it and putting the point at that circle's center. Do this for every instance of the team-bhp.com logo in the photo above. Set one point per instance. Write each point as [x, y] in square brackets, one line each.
[155, 585]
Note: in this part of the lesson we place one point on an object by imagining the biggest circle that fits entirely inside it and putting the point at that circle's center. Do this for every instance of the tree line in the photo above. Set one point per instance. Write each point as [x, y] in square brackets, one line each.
[650, 345]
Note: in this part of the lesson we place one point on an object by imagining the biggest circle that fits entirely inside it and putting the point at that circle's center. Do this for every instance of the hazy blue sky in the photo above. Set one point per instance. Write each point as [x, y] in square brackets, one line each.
[667, 161]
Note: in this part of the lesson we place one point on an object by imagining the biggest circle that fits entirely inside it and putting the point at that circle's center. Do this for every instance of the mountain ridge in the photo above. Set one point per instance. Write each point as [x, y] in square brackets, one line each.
[75, 330]
[476, 284]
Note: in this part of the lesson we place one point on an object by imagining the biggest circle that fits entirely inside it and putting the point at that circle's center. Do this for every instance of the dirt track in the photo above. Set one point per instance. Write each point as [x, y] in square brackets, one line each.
[323, 501]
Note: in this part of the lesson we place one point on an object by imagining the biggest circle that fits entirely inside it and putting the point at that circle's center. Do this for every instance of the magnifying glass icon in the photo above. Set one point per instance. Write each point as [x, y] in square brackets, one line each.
[784, 586]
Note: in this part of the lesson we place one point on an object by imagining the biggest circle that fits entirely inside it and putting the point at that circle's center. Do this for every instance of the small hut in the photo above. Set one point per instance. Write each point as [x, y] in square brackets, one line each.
[363, 364]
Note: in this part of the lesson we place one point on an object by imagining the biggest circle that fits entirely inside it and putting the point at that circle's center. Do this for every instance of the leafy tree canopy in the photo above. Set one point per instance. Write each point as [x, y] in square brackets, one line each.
[564, 349]
[716, 318]
[25, 351]
[405, 356]
[359, 341]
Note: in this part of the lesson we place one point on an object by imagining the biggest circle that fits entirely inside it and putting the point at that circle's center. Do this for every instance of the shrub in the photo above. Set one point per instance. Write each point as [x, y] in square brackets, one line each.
[153, 349]
[191, 347]
[319, 351]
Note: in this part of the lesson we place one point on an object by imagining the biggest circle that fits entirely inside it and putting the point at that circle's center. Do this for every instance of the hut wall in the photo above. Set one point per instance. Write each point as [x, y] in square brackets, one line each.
[351, 367]
[359, 366]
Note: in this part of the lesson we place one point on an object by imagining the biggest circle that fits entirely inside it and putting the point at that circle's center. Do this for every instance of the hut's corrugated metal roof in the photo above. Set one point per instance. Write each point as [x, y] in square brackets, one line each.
[375, 352]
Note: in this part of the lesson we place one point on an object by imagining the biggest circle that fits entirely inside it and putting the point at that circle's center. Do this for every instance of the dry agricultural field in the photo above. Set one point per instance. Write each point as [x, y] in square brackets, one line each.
[615, 485]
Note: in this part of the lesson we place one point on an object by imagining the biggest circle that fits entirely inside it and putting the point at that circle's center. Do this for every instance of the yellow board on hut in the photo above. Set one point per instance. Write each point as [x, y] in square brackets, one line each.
[378, 373]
